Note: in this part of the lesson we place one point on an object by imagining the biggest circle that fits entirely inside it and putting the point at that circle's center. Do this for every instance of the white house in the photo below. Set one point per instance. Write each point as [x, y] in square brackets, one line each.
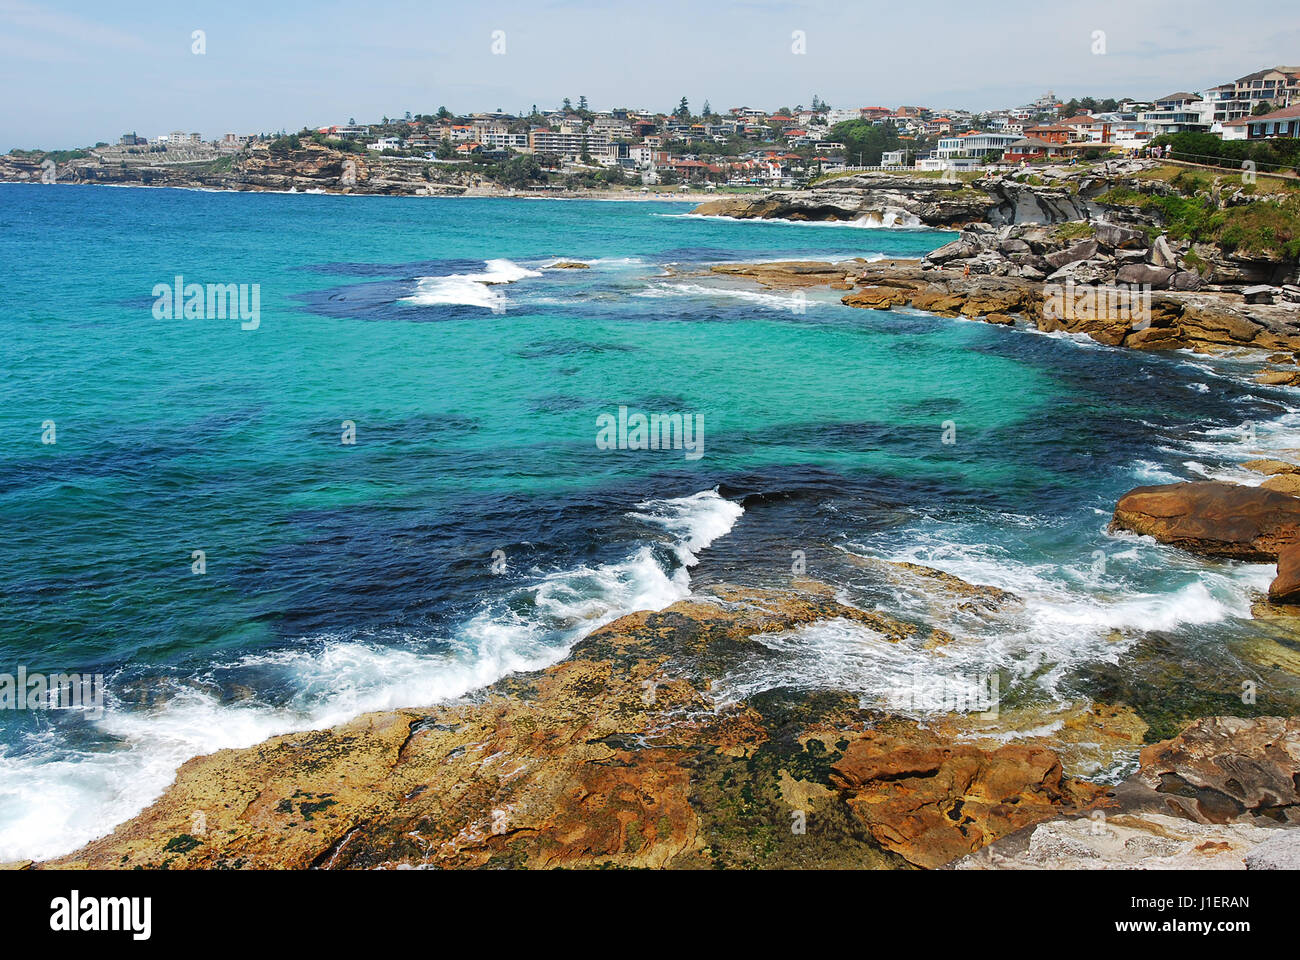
[975, 144]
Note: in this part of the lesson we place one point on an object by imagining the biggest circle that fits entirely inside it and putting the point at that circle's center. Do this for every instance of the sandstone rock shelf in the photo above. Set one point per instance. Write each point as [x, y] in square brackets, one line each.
[619, 756]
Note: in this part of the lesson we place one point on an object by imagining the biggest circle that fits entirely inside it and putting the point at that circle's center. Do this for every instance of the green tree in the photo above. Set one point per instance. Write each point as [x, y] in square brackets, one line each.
[865, 141]
[683, 111]
[520, 170]
[1261, 108]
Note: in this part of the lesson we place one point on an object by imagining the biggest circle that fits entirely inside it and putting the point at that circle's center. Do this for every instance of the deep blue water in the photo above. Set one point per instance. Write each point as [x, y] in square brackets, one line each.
[475, 526]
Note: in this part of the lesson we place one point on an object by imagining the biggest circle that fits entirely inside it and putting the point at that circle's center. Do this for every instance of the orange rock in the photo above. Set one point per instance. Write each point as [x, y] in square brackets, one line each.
[933, 802]
[876, 298]
[1212, 518]
[1285, 587]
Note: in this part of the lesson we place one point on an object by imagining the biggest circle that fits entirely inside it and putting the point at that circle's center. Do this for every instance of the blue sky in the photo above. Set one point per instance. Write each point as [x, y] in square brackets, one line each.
[75, 71]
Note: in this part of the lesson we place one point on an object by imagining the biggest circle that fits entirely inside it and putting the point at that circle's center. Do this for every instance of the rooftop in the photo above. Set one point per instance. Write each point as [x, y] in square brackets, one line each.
[1290, 113]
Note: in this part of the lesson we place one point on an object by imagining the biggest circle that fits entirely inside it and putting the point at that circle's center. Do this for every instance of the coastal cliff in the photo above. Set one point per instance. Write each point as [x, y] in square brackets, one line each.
[881, 199]
[1129, 253]
[902, 200]
[311, 167]
[1126, 222]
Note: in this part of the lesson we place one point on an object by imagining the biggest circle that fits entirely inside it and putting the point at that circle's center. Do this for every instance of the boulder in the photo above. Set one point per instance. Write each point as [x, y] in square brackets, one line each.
[1212, 518]
[1162, 255]
[1285, 587]
[938, 301]
[1229, 769]
[1278, 378]
[1142, 273]
[1041, 239]
[1288, 483]
[933, 801]
[1155, 338]
[1083, 250]
[1271, 467]
[876, 298]
[1090, 272]
[956, 250]
[1186, 280]
[1112, 236]
[1261, 293]
[1210, 319]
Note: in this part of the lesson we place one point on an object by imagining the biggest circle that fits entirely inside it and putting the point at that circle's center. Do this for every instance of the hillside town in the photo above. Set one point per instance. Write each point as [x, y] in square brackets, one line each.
[748, 146]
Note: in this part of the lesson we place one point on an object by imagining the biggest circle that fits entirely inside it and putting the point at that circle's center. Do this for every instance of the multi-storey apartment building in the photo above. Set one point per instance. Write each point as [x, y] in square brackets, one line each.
[1277, 86]
[570, 145]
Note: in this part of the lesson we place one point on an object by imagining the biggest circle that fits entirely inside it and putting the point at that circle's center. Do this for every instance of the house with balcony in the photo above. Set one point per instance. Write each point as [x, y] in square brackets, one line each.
[1279, 87]
[1177, 113]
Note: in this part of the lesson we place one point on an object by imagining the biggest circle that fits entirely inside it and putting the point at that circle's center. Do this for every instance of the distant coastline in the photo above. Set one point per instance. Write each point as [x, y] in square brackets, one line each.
[609, 196]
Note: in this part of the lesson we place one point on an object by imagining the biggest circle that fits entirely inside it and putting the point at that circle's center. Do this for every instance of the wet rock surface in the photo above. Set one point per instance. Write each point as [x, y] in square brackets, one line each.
[621, 755]
[617, 756]
[1227, 769]
[1212, 518]
[1221, 795]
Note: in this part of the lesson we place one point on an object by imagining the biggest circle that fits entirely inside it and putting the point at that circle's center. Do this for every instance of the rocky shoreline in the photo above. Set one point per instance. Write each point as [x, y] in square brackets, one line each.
[628, 754]
[622, 756]
[1094, 225]
[1206, 321]
[312, 168]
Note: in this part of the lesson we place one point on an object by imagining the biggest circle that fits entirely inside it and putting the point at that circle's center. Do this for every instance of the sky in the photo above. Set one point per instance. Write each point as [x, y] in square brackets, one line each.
[76, 72]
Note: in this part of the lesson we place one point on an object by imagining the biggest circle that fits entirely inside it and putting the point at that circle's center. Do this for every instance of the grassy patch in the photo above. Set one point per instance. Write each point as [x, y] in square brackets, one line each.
[1267, 227]
[1075, 230]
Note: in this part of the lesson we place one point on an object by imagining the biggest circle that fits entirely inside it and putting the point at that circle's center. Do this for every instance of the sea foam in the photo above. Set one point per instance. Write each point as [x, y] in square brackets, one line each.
[53, 798]
[470, 289]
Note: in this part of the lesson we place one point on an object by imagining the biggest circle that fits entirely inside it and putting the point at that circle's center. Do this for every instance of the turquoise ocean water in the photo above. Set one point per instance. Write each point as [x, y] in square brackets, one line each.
[475, 527]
